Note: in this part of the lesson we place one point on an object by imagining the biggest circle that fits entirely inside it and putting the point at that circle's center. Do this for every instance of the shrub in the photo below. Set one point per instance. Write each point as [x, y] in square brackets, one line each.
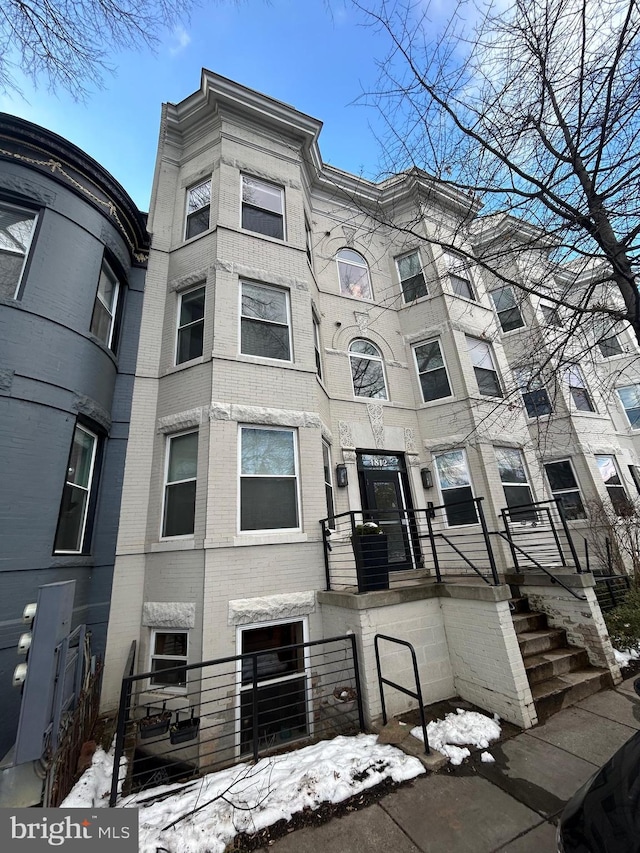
[623, 623]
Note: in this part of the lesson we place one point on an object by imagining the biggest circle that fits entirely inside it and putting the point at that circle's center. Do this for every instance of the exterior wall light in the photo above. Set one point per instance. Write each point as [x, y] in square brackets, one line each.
[427, 478]
[341, 476]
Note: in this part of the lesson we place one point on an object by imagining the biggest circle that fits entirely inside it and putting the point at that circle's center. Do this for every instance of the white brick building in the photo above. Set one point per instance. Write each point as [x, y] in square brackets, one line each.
[286, 332]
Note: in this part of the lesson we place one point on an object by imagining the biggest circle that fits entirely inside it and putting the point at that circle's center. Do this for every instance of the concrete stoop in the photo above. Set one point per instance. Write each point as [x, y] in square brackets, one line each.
[559, 674]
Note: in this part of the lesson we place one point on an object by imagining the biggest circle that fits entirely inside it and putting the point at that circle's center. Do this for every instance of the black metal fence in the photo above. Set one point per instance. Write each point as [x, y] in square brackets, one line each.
[611, 590]
[451, 539]
[236, 708]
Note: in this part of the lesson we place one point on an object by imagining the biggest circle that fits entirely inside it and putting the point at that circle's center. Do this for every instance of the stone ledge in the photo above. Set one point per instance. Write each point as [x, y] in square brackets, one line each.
[419, 592]
[570, 579]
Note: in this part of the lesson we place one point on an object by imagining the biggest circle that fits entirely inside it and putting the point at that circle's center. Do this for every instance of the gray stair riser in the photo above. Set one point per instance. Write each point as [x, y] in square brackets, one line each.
[546, 706]
[526, 622]
[539, 672]
[544, 641]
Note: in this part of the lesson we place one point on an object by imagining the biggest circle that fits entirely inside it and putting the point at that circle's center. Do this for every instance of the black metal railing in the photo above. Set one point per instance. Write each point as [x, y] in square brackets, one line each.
[611, 590]
[415, 694]
[236, 708]
[539, 536]
[428, 539]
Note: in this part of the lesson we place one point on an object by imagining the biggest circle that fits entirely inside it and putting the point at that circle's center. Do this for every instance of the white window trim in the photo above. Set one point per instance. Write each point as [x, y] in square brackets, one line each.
[437, 400]
[621, 388]
[271, 185]
[525, 468]
[181, 296]
[88, 489]
[622, 485]
[269, 531]
[27, 248]
[584, 387]
[565, 491]
[112, 312]
[378, 358]
[266, 358]
[167, 688]
[317, 349]
[463, 263]
[186, 208]
[440, 489]
[167, 454]
[329, 482]
[516, 305]
[364, 265]
[397, 260]
[491, 355]
[240, 688]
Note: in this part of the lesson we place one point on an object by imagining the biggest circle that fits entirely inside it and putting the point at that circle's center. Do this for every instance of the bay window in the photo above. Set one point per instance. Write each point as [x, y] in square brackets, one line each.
[268, 479]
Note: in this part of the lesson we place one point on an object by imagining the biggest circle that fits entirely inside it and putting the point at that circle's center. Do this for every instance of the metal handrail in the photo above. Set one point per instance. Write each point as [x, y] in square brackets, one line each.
[554, 579]
[418, 692]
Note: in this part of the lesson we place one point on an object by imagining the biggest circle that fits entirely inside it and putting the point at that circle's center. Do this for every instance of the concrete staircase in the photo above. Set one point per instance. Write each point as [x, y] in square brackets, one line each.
[559, 674]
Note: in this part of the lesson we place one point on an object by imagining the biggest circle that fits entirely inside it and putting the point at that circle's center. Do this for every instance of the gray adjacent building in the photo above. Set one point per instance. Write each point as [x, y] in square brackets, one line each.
[73, 253]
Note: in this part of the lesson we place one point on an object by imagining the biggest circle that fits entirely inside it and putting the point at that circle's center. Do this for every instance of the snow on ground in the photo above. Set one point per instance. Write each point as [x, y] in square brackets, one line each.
[623, 658]
[451, 735]
[248, 798]
[94, 786]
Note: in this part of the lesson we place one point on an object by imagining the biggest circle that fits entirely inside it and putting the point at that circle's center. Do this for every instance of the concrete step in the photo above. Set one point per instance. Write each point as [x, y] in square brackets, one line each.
[528, 622]
[554, 662]
[561, 691]
[518, 603]
[538, 642]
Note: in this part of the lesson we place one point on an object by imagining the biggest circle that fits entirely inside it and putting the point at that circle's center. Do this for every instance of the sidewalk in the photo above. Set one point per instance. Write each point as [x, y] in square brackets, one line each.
[511, 806]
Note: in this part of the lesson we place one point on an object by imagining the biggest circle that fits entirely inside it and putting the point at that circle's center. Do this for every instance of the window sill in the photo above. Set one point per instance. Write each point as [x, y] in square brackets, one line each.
[178, 544]
[187, 241]
[270, 362]
[265, 538]
[278, 241]
[428, 404]
[184, 365]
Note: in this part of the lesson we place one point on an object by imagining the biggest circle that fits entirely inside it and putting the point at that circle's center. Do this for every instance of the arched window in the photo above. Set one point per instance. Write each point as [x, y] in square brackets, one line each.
[354, 274]
[367, 370]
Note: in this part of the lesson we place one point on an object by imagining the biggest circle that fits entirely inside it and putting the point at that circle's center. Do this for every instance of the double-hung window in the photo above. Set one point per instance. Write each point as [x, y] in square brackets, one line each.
[578, 389]
[72, 531]
[16, 230]
[507, 309]
[353, 273]
[308, 242]
[328, 483]
[432, 371]
[180, 485]
[611, 478]
[606, 334]
[262, 207]
[459, 275]
[316, 346]
[551, 314]
[630, 399]
[534, 394]
[190, 325]
[367, 370]
[264, 323]
[455, 487]
[169, 649]
[268, 479]
[564, 486]
[198, 209]
[484, 367]
[411, 277]
[513, 477]
[103, 320]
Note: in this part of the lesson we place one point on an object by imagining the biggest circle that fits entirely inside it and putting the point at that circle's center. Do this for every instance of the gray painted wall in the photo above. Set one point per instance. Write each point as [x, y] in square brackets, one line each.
[51, 371]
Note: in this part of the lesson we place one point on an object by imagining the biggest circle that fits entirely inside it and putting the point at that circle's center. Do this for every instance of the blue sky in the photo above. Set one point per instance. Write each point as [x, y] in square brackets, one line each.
[298, 51]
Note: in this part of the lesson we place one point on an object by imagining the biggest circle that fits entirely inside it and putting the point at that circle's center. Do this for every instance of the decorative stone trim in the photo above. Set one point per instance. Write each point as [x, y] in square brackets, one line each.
[168, 614]
[185, 281]
[346, 439]
[244, 611]
[88, 407]
[263, 415]
[376, 418]
[183, 420]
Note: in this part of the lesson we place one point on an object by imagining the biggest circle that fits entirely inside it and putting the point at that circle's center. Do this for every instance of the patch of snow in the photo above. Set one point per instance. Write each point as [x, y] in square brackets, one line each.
[487, 758]
[450, 736]
[93, 788]
[248, 798]
[624, 657]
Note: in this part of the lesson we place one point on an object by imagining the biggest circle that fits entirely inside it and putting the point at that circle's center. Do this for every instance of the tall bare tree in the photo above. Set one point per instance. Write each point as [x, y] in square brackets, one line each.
[535, 114]
[67, 43]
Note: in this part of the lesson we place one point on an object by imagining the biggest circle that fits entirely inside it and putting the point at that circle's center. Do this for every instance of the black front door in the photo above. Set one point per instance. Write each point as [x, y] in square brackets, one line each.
[384, 489]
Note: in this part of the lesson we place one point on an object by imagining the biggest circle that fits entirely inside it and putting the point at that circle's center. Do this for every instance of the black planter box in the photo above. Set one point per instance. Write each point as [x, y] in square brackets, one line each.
[184, 730]
[372, 561]
[159, 726]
